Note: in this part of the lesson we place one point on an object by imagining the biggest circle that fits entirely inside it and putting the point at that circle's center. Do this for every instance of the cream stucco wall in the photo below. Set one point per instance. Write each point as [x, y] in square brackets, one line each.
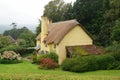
[76, 36]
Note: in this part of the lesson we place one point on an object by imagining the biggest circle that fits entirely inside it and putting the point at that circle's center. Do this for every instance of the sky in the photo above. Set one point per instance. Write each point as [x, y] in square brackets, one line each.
[22, 11]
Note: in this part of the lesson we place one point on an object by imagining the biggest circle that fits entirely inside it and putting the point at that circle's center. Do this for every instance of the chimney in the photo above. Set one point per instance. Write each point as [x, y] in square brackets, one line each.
[44, 25]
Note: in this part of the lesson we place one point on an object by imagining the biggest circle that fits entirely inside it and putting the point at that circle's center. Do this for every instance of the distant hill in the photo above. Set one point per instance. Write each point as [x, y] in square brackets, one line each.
[7, 27]
[3, 28]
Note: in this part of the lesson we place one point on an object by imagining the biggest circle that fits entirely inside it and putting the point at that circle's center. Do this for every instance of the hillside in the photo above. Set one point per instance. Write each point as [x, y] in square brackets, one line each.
[7, 27]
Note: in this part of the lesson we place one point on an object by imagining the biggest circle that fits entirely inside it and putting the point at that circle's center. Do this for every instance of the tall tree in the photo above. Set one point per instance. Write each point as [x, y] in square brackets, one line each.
[38, 29]
[56, 10]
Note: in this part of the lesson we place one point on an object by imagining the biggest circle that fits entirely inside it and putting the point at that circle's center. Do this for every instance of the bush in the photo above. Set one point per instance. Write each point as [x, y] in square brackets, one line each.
[9, 48]
[116, 55]
[8, 61]
[88, 63]
[104, 61]
[9, 57]
[0, 57]
[48, 63]
[115, 65]
[21, 50]
[51, 55]
[81, 64]
[68, 63]
[114, 50]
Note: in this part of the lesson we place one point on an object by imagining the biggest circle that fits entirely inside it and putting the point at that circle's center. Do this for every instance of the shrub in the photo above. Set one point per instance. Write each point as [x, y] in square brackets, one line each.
[9, 57]
[51, 55]
[104, 61]
[116, 55]
[80, 64]
[114, 50]
[48, 63]
[88, 63]
[8, 61]
[21, 50]
[115, 65]
[9, 48]
[68, 63]
[0, 57]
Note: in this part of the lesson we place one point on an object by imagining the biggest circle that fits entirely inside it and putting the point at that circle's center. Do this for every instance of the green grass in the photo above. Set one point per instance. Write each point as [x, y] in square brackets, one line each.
[28, 71]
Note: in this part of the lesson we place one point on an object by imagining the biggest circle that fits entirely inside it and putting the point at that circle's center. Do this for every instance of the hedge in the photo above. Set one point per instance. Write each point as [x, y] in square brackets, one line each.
[88, 63]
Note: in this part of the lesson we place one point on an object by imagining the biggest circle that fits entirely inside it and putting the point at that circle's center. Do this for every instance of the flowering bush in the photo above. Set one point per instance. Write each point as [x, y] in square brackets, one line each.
[52, 55]
[48, 63]
[10, 57]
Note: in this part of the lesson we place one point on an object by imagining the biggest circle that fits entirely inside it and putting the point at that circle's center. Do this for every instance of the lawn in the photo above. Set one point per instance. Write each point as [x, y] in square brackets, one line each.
[28, 71]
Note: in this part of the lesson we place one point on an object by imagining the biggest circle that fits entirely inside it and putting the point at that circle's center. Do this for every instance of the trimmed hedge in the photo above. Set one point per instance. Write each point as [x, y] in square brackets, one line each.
[88, 63]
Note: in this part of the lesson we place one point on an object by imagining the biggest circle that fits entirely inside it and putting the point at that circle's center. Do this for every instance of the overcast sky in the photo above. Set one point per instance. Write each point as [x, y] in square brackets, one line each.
[22, 11]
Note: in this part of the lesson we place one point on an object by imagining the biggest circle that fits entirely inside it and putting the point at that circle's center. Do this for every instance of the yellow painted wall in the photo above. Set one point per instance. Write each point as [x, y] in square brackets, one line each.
[38, 42]
[76, 36]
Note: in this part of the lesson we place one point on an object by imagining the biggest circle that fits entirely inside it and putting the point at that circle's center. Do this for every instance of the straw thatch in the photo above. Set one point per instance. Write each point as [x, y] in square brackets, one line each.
[57, 31]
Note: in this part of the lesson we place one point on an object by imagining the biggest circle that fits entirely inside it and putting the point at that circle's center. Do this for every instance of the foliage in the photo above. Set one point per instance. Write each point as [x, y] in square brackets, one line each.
[38, 29]
[8, 61]
[51, 55]
[116, 31]
[28, 36]
[115, 65]
[56, 10]
[21, 42]
[10, 57]
[18, 49]
[114, 50]
[88, 63]
[9, 48]
[4, 41]
[97, 16]
[22, 33]
[116, 56]
[47, 63]
[104, 61]
[0, 57]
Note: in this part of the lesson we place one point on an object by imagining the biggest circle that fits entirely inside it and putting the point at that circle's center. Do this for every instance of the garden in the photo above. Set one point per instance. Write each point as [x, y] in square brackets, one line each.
[44, 67]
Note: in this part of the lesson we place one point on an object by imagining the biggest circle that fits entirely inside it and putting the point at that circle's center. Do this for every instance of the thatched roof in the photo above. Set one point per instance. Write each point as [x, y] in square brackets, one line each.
[57, 31]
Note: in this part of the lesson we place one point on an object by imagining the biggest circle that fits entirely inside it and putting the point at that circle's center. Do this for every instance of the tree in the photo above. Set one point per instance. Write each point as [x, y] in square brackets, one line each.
[38, 29]
[115, 34]
[14, 25]
[4, 41]
[22, 33]
[56, 10]
[28, 36]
